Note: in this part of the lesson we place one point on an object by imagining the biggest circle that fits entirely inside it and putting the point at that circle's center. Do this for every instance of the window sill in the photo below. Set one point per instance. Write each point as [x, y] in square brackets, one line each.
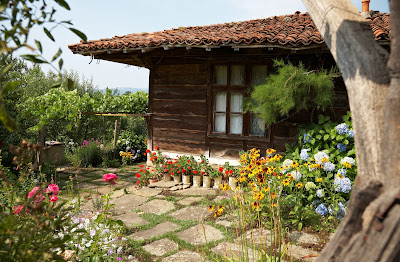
[238, 137]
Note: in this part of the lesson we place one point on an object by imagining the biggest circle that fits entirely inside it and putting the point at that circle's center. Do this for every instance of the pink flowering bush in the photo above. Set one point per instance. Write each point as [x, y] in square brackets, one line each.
[110, 178]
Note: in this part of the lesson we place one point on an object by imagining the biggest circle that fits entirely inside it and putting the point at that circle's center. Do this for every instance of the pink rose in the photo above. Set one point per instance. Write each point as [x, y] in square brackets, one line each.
[39, 198]
[17, 209]
[110, 178]
[54, 189]
[53, 198]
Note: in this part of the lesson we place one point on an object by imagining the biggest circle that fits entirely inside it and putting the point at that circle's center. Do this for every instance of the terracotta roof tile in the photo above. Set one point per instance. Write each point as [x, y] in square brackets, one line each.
[290, 30]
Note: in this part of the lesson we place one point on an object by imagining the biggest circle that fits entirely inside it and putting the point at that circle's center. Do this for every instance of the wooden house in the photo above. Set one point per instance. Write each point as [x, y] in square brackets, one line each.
[199, 75]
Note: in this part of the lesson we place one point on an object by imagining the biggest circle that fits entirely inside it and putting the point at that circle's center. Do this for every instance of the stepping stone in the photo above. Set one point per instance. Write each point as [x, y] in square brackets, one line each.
[126, 203]
[191, 213]
[175, 188]
[225, 221]
[236, 252]
[161, 247]
[184, 256]
[257, 236]
[131, 219]
[303, 238]
[117, 194]
[200, 234]
[111, 170]
[163, 184]
[86, 185]
[147, 192]
[197, 192]
[156, 231]
[188, 201]
[298, 252]
[157, 206]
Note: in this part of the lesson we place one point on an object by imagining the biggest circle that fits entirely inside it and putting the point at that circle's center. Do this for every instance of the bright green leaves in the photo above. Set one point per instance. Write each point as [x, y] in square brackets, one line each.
[79, 33]
[292, 89]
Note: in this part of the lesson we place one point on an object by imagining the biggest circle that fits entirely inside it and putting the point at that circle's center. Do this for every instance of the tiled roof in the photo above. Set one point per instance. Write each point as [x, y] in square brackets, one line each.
[290, 30]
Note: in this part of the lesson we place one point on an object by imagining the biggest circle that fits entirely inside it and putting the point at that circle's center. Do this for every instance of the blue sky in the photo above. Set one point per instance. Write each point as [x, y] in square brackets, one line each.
[104, 18]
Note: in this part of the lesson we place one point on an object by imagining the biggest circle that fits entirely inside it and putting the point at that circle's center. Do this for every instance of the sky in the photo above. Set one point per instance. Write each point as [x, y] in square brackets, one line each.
[104, 19]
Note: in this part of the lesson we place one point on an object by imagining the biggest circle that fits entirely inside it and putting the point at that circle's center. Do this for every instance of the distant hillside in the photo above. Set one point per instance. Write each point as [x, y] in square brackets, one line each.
[123, 90]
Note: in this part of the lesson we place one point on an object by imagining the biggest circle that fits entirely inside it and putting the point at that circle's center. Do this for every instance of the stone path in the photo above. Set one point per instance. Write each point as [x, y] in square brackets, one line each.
[174, 225]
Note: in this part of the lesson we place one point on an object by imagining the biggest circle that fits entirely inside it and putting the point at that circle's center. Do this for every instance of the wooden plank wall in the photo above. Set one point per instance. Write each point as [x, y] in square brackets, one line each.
[179, 107]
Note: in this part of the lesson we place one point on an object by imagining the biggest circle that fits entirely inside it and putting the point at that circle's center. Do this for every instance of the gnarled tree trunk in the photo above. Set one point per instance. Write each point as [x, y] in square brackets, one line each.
[371, 229]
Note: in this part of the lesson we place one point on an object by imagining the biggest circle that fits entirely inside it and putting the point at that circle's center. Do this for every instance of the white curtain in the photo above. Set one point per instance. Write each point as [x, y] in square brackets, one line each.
[220, 74]
[220, 106]
[236, 120]
[237, 75]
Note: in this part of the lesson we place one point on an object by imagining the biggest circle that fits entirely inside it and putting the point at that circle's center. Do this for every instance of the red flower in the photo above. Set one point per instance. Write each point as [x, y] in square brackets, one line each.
[195, 172]
[110, 178]
[17, 209]
[165, 170]
[52, 188]
[188, 161]
[202, 172]
[137, 182]
[53, 198]
[221, 169]
[183, 170]
[148, 151]
[138, 175]
[142, 166]
[172, 173]
[156, 148]
[231, 172]
[154, 153]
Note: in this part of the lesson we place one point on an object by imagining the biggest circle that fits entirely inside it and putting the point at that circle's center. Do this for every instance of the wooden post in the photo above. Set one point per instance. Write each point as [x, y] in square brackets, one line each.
[115, 136]
[42, 143]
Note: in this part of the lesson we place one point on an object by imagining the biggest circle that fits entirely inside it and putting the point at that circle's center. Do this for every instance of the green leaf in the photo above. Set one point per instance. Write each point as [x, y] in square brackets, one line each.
[300, 226]
[39, 46]
[49, 35]
[79, 33]
[119, 222]
[318, 137]
[7, 120]
[312, 141]
[320, 119]
[326, 137]
[33, 58]
[70, 84]
[60, 63]
[57, 55]
[69, 127]
[5, 69]
[62, 3]
[346, 142]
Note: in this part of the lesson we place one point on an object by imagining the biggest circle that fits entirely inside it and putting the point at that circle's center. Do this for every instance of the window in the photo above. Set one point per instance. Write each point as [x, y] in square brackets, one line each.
[229, 85]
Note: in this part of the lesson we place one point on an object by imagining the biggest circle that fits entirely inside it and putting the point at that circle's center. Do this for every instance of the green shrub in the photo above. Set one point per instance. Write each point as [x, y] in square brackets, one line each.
[135, 144]
[89, 154]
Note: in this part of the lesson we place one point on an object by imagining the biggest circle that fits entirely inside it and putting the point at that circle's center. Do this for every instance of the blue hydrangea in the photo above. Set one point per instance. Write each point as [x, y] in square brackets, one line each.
[306, 138]
[342, 129]
[342, 184]
[342, 171]
[351, 134]
[304, 155]
[340, 212]
[329, 167]
[342, 147]
[321, 210]
[320, 193]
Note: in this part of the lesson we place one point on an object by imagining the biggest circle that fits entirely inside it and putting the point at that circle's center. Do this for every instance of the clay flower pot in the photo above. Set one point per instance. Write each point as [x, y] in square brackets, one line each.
[206, 181]
[167, 176]
[217, 182]
[232, 182]
[196, 181]
[153, 180]
[186, 179]
[178, 178]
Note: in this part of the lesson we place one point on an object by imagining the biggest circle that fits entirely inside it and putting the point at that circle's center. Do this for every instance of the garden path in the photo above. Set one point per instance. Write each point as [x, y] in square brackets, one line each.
[164, 225]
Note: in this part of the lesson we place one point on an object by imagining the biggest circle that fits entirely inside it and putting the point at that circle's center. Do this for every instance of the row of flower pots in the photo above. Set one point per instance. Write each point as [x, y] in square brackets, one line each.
[200, 181]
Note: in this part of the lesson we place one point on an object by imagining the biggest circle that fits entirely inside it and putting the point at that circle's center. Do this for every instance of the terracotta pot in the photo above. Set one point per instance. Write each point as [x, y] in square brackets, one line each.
[232, 182]
[178, 178]
[206, 181]
[217, 182]
[196, 181]
[153, 180]
[186, 179]
[167, 177]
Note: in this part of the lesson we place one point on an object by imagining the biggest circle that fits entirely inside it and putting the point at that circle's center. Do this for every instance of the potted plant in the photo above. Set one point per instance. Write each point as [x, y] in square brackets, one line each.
[145, 176]
[205, 168]
[231, 172]
[160, 164]
[184, 166]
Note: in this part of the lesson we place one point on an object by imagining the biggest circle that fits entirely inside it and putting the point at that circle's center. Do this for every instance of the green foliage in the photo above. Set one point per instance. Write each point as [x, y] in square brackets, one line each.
[129, 141]
[292, 89]
[90, 154]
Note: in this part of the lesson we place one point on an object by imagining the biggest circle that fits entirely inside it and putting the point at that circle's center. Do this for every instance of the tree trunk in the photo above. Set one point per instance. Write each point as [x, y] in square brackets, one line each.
[370, 231]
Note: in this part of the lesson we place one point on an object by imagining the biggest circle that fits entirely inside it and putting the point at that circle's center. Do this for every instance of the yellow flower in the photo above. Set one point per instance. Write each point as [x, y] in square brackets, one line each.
[258, 195]
[273, 195]
[256, 206]
[242, 179]
[211, 208]
[340, 176]
[285, 182]
[346, 164]
[266, 189]
[224, 186]
[300, 185]
[319, 179]
[274, 204]
[324, 160]
[270, 151]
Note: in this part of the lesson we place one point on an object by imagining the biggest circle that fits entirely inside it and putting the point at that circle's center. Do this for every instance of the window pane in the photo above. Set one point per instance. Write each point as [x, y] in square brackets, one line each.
[236, 124]
[237, 75]
[236, 102]
[220, 102]
[220, 122]
[220, 74]
[257, 125]
[259, 73]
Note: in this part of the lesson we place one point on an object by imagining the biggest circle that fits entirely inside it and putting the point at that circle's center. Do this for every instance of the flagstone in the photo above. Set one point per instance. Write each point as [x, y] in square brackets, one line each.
[303, 238]
[258, 236]
[127, 202]
[198, 213]
[236, 252]
[147, 192]
[200, 234]
[188, 201]
[298, 252]
[156, 231]
[161, 247]
[184, 256]
[197, 192]
[157, 206]
[131, 219]
[163, 184]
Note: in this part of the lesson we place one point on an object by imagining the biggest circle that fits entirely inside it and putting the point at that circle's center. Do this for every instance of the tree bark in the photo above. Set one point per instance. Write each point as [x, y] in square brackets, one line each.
[369, 231]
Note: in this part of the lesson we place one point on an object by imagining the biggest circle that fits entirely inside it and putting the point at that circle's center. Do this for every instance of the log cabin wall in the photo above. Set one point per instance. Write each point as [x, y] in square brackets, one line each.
[181, 97]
